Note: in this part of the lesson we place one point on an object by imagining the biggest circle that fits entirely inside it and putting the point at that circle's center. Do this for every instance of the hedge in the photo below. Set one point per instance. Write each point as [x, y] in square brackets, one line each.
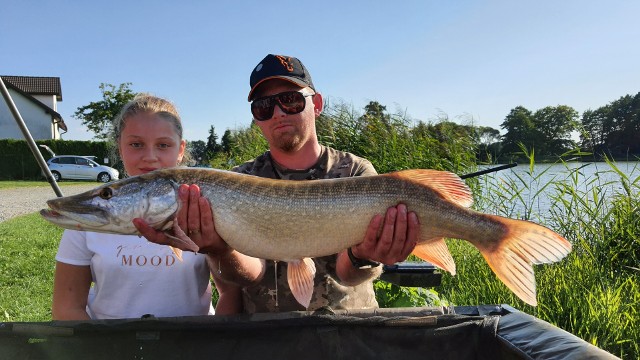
[18, 163]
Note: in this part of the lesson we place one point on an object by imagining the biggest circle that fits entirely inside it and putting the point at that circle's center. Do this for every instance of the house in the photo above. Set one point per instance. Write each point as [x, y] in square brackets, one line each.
[37, 99]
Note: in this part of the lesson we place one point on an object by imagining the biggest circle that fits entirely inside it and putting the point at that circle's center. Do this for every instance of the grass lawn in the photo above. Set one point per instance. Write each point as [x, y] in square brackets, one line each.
[9, 184]
[28, 245]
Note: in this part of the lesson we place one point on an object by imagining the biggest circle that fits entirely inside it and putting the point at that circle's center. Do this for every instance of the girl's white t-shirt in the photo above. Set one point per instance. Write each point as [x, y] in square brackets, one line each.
[133, 277]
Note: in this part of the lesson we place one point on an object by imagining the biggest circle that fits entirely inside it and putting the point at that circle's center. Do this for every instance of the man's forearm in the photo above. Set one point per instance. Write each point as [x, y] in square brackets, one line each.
[349, 275]
[237, 268]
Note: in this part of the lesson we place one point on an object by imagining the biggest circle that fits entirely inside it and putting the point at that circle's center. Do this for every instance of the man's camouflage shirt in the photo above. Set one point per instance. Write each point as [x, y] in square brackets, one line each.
[329, 293]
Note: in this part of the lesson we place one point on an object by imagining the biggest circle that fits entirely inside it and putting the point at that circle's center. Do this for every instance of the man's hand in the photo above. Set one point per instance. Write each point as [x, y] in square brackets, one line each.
[195, 218]
[389, 239]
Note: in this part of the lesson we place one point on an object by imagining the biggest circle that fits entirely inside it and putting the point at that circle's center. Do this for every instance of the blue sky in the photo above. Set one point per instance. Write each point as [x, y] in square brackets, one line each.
[466, 59]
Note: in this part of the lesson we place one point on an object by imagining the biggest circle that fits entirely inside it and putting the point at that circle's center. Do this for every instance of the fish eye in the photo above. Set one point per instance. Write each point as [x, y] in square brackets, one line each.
[106, 193]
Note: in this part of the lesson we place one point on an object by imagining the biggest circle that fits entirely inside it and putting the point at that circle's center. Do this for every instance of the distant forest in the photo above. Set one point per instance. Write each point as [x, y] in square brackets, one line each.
[612, 130]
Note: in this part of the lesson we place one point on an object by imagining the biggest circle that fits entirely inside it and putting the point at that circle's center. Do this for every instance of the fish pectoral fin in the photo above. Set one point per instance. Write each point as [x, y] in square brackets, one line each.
[524, 244]
[436, 252]
[180, 240]
[177, 252]
[300, 275]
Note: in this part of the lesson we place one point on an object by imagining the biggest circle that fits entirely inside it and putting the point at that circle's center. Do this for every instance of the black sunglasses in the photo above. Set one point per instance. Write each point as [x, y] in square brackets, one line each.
[290, 102]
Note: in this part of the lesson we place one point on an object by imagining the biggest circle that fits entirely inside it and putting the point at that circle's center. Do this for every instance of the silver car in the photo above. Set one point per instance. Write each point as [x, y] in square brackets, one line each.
[80, 167]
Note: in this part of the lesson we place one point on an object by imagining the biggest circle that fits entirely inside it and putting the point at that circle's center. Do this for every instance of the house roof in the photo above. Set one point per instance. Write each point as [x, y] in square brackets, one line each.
[36, 85]
[56, 117]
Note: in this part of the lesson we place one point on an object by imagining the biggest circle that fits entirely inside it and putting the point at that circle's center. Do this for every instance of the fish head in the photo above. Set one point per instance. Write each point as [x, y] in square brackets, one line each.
[111, 208]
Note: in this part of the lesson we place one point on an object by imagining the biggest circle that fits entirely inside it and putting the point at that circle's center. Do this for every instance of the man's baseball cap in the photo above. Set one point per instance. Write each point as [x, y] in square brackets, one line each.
[280, 67]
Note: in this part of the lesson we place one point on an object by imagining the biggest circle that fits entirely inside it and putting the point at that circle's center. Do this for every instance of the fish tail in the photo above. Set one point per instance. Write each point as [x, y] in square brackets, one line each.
[522, 245]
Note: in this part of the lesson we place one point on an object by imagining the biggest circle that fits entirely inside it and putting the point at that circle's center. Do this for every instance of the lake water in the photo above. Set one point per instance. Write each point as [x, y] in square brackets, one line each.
[521, 193]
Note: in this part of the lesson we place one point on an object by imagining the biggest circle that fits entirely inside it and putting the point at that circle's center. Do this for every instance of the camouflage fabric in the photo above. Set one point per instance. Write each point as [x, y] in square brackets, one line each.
[328, 292]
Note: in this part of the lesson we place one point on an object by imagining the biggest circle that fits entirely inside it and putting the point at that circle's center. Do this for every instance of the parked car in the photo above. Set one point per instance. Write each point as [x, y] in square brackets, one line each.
[80, 167]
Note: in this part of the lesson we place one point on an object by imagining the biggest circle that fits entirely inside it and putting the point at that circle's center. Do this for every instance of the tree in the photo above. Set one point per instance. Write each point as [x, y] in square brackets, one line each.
[488, 142]
[487, 135]
[613, 128]
[198, 150]
[212, 143]
[624, 122]
[97, 116]
[553, 127]
[519, 128]
[226, 141]
[593, 133]
[376, 110]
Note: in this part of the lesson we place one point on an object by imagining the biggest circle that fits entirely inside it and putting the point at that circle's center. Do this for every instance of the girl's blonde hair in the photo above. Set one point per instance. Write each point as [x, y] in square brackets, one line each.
[146, 103]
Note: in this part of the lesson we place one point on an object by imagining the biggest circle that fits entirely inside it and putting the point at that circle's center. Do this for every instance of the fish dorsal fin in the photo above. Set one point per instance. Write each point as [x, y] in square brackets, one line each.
[300, 275]
[436, 252]
[447, 184]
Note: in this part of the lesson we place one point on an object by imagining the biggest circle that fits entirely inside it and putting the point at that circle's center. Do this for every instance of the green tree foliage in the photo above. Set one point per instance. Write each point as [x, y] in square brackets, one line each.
[213, 148]
[548, 130]
[223, 157]
[553, 125]
[97, 116]
[519, 128]
[593, 131]
[226, 141]
[614, 128]
[198, 150]
[244, 145]
[489, 144]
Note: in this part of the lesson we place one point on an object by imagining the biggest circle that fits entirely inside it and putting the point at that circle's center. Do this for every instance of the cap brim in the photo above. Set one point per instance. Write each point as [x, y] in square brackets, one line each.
[290, 79]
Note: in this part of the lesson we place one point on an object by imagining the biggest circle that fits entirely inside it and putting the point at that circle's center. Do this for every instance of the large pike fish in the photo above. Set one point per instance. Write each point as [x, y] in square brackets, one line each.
[296, 220]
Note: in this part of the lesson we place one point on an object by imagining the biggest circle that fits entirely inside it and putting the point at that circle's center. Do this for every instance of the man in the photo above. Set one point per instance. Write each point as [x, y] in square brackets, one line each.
[285, 104]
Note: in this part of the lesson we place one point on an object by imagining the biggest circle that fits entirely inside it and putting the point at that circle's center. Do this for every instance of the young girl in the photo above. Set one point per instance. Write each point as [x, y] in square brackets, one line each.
[106, 276]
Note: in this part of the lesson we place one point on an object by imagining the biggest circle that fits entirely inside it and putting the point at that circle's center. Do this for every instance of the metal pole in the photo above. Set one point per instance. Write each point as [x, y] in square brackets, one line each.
[29, 138]
[486, 171]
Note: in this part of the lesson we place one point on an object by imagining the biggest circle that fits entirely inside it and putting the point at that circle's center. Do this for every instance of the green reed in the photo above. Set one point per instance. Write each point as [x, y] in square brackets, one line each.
[594, 293]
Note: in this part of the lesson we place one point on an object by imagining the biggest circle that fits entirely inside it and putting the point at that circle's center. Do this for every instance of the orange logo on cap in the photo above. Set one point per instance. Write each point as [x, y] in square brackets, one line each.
[286, 62]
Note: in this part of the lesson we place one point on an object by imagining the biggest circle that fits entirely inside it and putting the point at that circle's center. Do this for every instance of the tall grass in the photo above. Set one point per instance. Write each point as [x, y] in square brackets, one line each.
[594, 293]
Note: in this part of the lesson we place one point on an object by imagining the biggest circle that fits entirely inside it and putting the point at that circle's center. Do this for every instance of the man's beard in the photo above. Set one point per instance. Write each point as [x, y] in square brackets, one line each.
[289, 143]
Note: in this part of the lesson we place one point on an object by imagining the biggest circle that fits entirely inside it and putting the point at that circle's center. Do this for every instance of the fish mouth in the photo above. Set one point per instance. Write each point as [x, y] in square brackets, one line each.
[60, 219]
[53, 216]
[83, 219]
[50, 214]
